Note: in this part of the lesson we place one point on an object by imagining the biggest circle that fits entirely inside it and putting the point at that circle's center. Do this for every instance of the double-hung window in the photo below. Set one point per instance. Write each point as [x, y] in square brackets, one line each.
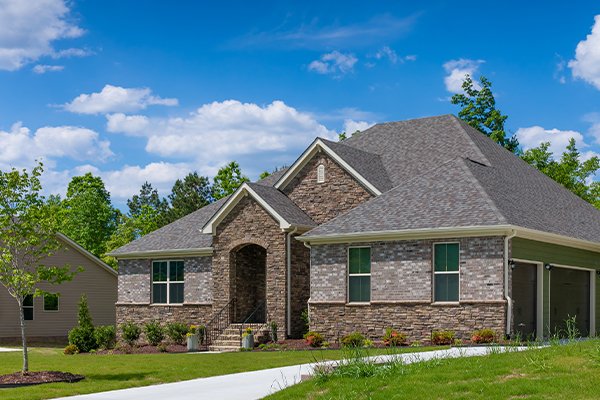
[359, 274]
[167, 282]
[446, 274]
[28, 307]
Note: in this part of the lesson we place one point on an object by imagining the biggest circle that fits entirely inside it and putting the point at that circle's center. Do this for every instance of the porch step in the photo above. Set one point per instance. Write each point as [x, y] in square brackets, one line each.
[231, 337]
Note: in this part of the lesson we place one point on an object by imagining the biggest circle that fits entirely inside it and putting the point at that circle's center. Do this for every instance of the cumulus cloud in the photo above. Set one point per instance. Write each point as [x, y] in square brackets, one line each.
[586, 64]
[456, 70]
[559, 139]
[334, 63]
[351, 126]
[29, 30]
[42, 68]
[20, 148]
[116, 99]
[129, 124]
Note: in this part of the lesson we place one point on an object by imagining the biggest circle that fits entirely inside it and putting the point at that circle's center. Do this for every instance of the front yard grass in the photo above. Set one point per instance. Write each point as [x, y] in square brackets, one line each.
[559, 372]
[110, 372]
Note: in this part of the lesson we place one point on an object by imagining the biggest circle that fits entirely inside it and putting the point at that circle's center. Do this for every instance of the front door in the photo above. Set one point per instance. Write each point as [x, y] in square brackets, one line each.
[524, 294]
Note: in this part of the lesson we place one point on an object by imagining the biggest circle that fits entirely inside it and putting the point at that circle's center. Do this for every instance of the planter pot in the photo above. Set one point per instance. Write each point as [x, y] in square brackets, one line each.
[193, 342]
[248, 341]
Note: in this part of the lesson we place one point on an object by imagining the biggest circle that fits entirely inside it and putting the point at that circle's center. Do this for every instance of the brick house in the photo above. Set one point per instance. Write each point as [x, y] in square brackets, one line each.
[420, 225]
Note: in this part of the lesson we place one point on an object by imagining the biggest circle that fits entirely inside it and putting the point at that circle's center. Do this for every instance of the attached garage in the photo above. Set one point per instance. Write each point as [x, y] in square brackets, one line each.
[570, 292]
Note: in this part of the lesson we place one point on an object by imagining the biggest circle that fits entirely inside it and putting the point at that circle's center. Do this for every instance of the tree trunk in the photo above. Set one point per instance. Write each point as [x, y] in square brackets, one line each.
[25, 369]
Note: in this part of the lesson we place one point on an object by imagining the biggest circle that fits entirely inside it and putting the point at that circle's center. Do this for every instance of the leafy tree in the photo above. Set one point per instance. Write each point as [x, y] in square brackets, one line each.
[342, 136]
[89, 218]
[569, 170]
[28, 231]
[148, 197]
[189, 195]
[227, 180]
[264, 174]
[478, 109]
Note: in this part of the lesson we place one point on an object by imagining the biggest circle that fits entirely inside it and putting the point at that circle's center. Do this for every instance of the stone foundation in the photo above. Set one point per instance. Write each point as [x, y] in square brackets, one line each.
[417, 320]
[189, 314]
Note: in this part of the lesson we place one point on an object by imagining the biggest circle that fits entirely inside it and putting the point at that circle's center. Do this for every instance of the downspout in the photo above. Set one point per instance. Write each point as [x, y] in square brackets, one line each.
[289, 280]
[509, 304]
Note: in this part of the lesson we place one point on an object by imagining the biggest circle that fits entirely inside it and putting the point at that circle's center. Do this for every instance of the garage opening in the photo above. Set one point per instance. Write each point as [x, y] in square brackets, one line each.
[569, 297]
[524, 295]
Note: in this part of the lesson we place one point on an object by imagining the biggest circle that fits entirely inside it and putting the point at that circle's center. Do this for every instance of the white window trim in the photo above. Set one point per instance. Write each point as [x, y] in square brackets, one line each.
[348, 275]
[434, 273]
[167, 282]
[321, 173]
[32, 306]
[57, 303]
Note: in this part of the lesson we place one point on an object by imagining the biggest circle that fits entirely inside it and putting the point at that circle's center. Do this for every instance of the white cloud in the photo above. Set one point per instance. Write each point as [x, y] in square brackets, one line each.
[19, 148]
[586, 64]
[129, 124]
[333, 63]
[116, 99]
[456, 71]
[351, 126]
[535, 135]
[42, 68]
[29, 29]
[72, 52]
[390, 54]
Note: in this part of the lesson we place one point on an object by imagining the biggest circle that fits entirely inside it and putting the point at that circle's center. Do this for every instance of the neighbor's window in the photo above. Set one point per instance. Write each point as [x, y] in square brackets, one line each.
[446, 271]
[359, 274]
[50, 302]
[28, 307]
[321, 173]
[167, 282]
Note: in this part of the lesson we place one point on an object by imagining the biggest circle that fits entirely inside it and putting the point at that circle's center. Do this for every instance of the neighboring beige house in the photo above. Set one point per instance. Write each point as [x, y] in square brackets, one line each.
[50, 318]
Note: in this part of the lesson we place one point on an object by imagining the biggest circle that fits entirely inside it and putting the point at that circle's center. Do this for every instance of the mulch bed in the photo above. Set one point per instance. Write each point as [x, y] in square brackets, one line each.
[36, 378]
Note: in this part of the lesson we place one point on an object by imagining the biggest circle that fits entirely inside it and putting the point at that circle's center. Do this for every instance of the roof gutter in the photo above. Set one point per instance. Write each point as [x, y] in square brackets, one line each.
[509, 303]
[194, 252]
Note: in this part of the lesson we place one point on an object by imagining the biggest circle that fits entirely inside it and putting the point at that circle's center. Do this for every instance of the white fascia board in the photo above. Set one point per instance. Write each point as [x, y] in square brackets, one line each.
[244, 190]
[86, 253]
[309, 153]
[199, 252]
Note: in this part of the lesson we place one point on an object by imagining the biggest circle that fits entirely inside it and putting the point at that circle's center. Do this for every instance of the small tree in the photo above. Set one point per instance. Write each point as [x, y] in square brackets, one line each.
[28, 231]
[83, 335]
[227, 180]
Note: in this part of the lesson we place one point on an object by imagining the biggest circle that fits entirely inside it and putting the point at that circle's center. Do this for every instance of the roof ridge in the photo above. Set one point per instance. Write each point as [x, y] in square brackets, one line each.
[455, 120]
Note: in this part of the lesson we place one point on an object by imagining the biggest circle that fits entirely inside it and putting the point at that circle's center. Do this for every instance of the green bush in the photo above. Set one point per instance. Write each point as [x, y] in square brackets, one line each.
[155, 333]
[440, 338]
[393, 338]
[483, 336]
[273, 331]
[106, 336]
[305, 320]
[314, 339]
[70, 350]
[131, 332]
[176, 332]
[82, 336]
[354, 339]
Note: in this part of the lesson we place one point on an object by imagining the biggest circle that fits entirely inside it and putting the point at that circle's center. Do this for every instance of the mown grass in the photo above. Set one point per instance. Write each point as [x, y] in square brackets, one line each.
[569, 371]
[110, 372]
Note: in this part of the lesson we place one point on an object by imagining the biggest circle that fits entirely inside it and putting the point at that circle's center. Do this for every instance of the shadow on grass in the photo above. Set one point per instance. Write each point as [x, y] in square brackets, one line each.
[119, 377]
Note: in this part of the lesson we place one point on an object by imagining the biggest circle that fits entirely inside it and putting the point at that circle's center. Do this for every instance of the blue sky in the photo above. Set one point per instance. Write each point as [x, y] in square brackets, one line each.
[135, 91]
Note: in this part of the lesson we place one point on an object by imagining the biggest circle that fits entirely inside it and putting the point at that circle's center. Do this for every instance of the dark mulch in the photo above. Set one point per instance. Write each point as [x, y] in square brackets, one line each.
[37, 377]
[144, 349]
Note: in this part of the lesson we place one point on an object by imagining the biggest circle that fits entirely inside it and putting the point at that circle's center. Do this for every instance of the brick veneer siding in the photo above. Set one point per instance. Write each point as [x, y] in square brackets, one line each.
[323, 201]
[249, 223]
[250, 278]
[300, 285]
[401, 289]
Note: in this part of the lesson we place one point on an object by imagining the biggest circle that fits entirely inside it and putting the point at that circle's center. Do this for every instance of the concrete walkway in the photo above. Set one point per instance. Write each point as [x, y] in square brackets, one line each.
[258, 384]
[5, 349]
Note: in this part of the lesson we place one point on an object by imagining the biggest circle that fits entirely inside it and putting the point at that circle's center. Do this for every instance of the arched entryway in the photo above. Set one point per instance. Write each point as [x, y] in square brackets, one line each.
[249, 282]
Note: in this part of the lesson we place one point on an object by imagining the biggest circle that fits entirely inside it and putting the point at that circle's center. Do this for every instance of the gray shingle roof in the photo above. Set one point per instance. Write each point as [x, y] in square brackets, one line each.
[273, 178]
[282, 205]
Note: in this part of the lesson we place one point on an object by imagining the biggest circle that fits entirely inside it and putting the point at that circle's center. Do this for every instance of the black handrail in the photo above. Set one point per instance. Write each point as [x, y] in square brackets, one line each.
[261, 307]
[219, 322]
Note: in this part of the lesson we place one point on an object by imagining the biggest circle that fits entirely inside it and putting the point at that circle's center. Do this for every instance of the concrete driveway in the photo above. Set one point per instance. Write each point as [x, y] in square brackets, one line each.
[258, 384]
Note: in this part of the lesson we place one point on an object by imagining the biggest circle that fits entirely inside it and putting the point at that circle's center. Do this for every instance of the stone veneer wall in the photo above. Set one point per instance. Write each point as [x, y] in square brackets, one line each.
[187, 313]
[300, 285]
[249, 223]
[323, 201]
[250, 278]
[401, 289]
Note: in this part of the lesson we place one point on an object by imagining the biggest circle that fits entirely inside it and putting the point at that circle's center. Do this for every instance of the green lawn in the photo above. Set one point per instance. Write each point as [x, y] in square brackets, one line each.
[109, 372]
[558, 372]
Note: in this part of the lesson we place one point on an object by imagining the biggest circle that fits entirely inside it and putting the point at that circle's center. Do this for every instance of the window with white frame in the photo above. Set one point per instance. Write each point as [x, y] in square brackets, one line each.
[446, 272]
[321, 173]
[50, 302]
[359, 274]
[28, 307]
[167, 282]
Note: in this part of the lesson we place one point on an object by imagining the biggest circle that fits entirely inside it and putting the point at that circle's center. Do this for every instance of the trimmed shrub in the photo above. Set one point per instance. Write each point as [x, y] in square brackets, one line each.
[393, 338]
[176, 332]
[314, 339]
[155, 333]
[131, 332]
[273, 331]
[442, 338]
[354, 339]
[483, 336]
[106, 336]
[305, 320]
[70, 350]
[82, 336]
